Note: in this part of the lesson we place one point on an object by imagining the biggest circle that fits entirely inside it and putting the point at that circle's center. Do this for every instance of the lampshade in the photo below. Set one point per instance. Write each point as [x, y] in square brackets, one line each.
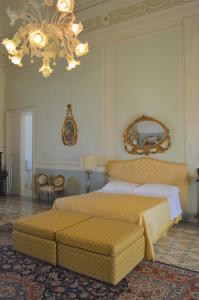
[88, 162]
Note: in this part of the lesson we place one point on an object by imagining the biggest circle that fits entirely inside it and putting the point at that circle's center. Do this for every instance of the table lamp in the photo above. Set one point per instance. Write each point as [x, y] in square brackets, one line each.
[88, 163]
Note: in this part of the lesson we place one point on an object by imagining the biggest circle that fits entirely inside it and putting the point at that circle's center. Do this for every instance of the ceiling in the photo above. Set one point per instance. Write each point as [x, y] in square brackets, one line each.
[5, 29]
[85, 9]
[85, 4]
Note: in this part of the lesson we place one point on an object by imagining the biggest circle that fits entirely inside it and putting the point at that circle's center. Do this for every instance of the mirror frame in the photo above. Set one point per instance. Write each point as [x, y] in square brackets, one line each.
[69, 118]
[161, 147]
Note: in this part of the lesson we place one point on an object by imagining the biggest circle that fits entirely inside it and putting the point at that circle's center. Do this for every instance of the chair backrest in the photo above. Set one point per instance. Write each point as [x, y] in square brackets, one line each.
[59, 181]
[42, 179]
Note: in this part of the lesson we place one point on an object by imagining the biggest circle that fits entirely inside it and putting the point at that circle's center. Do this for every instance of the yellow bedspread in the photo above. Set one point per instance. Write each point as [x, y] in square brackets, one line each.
[152, 213]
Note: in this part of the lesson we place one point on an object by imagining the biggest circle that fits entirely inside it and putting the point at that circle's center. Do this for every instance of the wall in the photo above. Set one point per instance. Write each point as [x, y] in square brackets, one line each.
[50, 97]
[1, 107]
[27, 87]
[147, 65]
[148, 81]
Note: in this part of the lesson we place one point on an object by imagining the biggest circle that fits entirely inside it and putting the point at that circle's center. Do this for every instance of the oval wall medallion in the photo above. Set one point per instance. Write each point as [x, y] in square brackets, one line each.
[69, 129]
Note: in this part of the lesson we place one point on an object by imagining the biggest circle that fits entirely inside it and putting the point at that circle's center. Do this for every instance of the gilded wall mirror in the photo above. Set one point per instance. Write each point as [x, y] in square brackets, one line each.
[146, 135]
[69, 129]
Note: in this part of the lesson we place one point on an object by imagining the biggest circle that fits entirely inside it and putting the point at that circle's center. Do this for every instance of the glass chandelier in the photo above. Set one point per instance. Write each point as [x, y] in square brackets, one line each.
[49, 31]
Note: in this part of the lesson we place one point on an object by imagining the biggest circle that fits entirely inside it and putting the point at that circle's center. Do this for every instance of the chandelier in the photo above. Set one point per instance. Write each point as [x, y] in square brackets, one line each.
[49, 31]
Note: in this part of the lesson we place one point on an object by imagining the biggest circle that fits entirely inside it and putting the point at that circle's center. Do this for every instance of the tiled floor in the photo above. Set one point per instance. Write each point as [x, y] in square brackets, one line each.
[11, 208]
[179, 247]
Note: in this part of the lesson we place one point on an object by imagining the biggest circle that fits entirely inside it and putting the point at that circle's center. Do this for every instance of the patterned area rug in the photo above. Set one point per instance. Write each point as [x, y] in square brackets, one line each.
[25, 278]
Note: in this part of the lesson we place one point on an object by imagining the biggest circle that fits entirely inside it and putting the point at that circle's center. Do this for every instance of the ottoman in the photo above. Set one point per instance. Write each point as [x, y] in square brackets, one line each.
[104, 249]
[36, 235]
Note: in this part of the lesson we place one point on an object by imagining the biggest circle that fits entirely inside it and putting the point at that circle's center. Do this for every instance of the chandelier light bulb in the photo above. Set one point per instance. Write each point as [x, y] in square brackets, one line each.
[77, 28]
[72, 64]
[46, 70]
[38, 39]
[10, 46]
[81, 49]
[66, 6]
[16, 59]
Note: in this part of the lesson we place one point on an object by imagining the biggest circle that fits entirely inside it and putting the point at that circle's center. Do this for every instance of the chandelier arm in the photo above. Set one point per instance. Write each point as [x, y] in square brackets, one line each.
[36, 15]
[33, 19]
[31, 53]
[41, 13]
[67, 45]
[27, 15]
[33, 15]
[24, 43]
[66, 48]
[54, 17]
[47, 13]
[59, 18]
[66, 19]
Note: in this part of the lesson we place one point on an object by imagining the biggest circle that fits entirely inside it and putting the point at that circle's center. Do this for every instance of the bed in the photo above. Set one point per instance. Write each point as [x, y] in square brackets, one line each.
[154, 213]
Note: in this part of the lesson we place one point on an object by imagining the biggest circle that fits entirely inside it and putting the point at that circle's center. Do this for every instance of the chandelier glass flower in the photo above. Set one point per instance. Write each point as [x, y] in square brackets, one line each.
[49, 31]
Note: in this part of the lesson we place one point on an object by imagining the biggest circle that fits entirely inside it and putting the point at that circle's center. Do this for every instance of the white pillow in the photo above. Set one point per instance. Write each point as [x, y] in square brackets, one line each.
[120, 186]
[159, 189]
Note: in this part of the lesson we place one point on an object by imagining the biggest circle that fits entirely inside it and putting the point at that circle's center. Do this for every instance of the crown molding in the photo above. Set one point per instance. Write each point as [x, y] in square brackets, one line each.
[130, 12]
[111, 12]
[139, 18]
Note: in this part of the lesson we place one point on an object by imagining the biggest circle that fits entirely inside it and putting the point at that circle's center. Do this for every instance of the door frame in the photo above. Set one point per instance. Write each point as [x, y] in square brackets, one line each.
[8, 113]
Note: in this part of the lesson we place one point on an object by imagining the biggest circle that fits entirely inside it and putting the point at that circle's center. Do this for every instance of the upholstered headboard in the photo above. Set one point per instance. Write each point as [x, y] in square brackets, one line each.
[149, 170]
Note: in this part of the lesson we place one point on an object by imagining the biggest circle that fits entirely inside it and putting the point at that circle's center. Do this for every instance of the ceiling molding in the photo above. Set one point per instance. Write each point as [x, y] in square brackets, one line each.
[104, 12]
[82, 5]
[135, 10]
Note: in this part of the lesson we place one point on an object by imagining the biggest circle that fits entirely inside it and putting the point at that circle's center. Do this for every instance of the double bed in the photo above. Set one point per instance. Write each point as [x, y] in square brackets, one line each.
[157, 212]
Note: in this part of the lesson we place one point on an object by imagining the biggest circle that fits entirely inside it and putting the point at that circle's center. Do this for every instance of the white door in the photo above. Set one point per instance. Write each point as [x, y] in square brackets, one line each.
[20, 151]
[26, 154]
[13, 137]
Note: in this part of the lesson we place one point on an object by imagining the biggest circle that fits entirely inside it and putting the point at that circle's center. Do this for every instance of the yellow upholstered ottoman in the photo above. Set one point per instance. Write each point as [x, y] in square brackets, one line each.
[100, 248]
[36, 235]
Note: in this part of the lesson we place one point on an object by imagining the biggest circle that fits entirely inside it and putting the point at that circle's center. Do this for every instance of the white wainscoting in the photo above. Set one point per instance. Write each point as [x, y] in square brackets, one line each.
[60, 165]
